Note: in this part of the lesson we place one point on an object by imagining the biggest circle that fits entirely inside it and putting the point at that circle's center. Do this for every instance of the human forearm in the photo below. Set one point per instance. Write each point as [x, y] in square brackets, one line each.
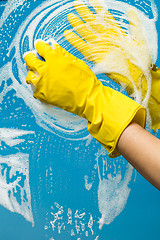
[142, 150]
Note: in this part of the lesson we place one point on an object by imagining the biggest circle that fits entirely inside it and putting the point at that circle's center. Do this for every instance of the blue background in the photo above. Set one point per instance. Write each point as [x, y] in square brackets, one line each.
[65, 185]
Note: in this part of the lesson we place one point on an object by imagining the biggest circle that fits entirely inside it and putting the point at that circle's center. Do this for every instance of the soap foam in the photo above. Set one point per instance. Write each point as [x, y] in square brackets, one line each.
[16, 165]
[113, 193]
[14, 175]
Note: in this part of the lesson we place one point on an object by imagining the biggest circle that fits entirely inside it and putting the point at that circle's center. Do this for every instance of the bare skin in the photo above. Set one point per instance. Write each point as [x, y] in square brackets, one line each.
[142, 150]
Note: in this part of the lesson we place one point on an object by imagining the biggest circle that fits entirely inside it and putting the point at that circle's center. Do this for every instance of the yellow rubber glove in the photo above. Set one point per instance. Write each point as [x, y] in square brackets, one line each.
[125, 58]
[154, 100]
[68, 83]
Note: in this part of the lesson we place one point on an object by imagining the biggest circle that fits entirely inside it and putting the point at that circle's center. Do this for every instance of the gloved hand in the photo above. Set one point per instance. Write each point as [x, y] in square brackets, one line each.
[68, 83]
[125, 58]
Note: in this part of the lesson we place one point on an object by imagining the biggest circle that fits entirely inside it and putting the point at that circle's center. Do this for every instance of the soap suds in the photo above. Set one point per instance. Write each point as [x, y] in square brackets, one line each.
[113, 193]
[11, 136]
[14, 175]
[14, 185]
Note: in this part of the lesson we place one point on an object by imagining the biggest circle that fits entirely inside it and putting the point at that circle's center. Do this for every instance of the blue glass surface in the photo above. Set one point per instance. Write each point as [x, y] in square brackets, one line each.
[50, 167]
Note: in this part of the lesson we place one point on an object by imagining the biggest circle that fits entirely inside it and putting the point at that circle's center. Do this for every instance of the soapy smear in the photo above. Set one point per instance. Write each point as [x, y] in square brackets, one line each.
[88, 185]
[74, 222]
[49, 20]
[113, 190]
[9, 7]
[11, 136]
[14, 175]
[14, 185]
[113, 193]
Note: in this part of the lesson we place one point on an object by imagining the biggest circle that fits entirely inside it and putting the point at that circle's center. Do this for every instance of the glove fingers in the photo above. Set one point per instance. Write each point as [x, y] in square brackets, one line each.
[97, 6]
[89, 18]
[43, 48]
[81, 28]
[91, 53]
[109, 28]
[32, 79]
[79, 44]
[84, 12]
[107, 17]
[32, 62]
